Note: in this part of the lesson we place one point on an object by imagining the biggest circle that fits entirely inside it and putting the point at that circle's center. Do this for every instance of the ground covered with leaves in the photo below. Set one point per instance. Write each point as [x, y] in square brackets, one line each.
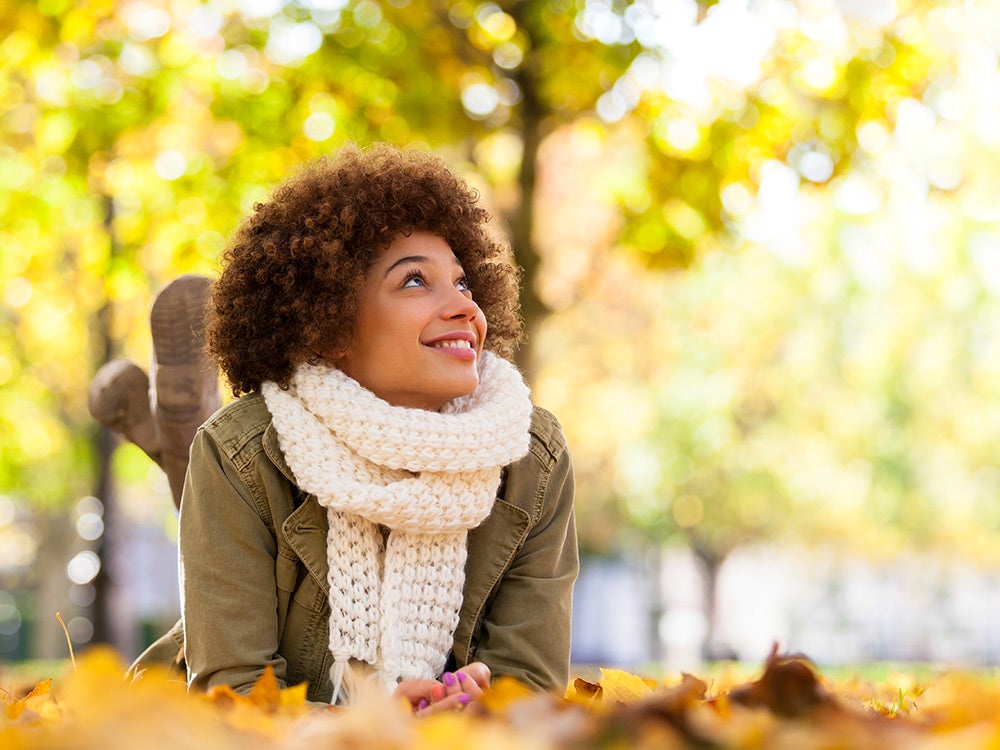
[789, 705]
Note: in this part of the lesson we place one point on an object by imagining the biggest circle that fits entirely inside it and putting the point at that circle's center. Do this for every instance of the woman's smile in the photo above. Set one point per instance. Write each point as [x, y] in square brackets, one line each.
[458, 344]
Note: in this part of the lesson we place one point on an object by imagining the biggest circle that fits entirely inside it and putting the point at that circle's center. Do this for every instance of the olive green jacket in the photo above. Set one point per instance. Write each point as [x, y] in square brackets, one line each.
[253, 565]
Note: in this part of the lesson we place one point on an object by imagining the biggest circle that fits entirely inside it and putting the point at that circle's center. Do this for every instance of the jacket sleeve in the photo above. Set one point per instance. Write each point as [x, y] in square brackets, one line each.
[227, 575]
[525, 632]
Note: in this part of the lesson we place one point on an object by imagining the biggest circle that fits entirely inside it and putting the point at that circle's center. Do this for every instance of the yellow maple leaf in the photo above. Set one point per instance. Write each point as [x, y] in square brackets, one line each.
[267, 710]
[33, 700]
[102, 707]
[503, 692]
[223, 696]
[265, 693]
[584, 692]
[22, 718]
[623, 687]
[293, 699]
[465, 729]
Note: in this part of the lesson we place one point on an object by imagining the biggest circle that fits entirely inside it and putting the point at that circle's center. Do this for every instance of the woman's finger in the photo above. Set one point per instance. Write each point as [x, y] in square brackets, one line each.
[448, 703]
[452, 684]
[479, 673]
[417, 691]
[468, 684]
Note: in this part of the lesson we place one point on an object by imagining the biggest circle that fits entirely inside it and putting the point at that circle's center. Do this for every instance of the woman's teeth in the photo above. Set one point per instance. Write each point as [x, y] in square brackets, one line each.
[461, 344]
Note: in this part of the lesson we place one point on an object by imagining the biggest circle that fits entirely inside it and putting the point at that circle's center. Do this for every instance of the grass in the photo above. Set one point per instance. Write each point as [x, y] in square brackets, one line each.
[19, 677]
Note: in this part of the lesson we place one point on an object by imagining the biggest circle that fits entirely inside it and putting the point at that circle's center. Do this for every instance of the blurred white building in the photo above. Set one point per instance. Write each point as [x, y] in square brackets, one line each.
[834, 609]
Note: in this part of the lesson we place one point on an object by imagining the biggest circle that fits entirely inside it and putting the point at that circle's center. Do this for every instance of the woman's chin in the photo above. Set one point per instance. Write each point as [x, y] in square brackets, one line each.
[460, 390]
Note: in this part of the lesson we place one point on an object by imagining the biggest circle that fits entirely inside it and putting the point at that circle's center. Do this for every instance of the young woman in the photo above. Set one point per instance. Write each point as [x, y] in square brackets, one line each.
[382, 505]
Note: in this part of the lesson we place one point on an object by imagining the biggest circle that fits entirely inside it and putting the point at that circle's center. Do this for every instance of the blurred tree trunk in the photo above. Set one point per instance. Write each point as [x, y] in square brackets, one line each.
[102, 614]
[521, 219]
[711, 561]
[106, 629]
[45, 636]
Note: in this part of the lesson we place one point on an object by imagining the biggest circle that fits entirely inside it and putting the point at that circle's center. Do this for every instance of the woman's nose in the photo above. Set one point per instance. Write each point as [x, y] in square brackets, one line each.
[459, 305]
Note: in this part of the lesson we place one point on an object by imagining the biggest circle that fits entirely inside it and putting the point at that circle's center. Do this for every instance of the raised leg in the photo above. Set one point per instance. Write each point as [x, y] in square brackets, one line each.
[119, 399]
[161, 417]
[185, 381]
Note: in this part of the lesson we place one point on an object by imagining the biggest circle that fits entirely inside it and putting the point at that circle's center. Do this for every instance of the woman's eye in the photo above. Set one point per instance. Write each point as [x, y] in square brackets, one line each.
[463, 284]
[413, 280]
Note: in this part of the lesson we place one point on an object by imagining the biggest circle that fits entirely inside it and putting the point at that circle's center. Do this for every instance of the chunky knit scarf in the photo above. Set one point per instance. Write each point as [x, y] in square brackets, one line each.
[427, 477]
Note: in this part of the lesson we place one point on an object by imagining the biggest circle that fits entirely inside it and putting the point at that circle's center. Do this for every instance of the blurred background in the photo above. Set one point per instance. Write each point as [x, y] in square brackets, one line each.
[761, 253]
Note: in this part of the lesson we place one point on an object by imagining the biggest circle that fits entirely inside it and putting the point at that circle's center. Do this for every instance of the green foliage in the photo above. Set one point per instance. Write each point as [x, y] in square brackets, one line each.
[135, 140]
[764, 391]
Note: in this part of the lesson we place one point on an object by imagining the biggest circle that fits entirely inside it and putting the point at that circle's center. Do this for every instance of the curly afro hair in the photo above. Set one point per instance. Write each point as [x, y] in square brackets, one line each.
[291, 276]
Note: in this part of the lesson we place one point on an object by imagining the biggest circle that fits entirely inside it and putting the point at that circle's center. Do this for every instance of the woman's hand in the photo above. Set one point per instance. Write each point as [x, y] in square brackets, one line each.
[454, 691]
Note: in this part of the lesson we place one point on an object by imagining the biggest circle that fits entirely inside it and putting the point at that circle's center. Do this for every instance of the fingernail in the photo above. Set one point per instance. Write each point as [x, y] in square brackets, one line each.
[460, 676]
[437, 692]
[448, 679]
[464, 698]
[422, 704]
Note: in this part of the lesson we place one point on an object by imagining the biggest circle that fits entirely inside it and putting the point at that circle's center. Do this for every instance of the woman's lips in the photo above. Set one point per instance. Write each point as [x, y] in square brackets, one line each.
[460, 346]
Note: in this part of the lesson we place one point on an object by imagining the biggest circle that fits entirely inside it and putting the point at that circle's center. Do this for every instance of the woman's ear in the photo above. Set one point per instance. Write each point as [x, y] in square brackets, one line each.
[339, 359]
[331, 352]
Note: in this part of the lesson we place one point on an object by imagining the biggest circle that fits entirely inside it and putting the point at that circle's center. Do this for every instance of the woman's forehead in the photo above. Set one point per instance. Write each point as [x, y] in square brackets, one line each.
[419, 247]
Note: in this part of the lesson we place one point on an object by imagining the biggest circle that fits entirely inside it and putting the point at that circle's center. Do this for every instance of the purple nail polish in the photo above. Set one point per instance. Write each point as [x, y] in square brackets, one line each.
[460, 676]
[448, 679]
[422, 704]
[464, 698]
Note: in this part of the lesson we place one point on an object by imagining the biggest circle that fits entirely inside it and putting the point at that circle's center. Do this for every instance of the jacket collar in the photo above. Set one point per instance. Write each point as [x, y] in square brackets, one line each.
[273, 450]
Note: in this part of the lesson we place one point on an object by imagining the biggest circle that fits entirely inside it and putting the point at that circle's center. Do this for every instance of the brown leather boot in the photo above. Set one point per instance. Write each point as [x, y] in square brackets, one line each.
[118, 398]
[185, 380]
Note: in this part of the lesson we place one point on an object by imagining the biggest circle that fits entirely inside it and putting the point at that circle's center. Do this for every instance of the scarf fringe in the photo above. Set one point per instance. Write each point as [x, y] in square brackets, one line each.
[342, 677]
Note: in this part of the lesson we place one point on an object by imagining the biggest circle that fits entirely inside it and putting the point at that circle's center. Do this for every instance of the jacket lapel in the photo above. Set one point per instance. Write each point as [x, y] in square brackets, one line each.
[305, 530]
[306, 527]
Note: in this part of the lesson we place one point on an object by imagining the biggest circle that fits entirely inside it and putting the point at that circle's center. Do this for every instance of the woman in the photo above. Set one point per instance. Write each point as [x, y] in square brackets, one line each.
[382, 505]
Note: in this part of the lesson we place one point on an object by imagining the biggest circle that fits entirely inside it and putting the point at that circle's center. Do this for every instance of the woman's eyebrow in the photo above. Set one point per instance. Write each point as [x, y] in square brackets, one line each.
[413, 259]
[405, 260]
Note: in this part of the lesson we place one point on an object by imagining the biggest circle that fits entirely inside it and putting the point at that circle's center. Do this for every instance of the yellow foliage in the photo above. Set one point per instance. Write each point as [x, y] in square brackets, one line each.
[34, 701]
[504, 692]
[789, 706]
[623, 687]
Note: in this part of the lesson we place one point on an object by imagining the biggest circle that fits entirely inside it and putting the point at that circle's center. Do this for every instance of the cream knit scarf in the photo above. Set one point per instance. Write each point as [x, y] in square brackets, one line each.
[427, 477]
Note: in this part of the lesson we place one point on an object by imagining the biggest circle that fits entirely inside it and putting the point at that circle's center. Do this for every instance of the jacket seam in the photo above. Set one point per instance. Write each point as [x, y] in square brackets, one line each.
[540, 492]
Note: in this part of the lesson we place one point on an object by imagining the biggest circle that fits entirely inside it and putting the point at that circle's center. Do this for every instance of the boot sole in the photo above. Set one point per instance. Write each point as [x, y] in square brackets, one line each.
[185, 380]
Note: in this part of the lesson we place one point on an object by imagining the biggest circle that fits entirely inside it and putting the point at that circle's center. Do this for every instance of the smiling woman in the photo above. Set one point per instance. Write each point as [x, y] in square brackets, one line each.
[382, 506]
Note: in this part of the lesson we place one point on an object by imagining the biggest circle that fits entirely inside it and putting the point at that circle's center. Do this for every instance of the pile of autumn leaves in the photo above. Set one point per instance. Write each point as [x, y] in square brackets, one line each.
[789, 706]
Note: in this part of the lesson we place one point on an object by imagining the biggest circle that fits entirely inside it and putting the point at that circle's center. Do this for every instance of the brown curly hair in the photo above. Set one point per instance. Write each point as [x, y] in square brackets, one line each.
[291, 276]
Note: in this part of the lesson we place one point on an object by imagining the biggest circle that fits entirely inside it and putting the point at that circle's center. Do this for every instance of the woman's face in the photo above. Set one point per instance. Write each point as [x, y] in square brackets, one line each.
[418, 334]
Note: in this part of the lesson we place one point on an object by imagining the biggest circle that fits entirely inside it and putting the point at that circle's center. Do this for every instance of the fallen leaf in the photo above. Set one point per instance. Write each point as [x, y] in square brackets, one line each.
[623, 687]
